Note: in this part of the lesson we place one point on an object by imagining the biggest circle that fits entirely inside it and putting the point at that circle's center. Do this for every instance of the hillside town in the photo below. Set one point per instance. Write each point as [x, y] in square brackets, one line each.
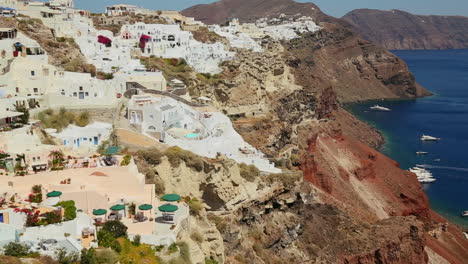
[71, 140]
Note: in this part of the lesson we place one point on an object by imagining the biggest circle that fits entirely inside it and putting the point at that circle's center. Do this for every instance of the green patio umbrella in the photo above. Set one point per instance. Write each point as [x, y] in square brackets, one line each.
[112, 150]
[99, 212]
[54, 194]
[118, 207]
[168, 208]
[171, 197]
[145, 207]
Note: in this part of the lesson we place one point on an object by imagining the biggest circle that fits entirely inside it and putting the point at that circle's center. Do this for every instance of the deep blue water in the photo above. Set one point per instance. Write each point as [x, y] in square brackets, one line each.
[444, 115]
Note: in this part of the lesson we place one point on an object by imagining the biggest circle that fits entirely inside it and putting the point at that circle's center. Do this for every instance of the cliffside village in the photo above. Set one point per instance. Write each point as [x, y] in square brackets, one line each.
[39, 179]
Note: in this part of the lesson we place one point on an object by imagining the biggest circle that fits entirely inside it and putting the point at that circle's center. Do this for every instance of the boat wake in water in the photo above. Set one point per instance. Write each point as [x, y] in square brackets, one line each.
[442, 167]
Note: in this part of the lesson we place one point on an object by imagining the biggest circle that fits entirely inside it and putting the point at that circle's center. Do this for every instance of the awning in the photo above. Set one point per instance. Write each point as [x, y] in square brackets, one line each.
[145, 207]
[168, 208]
[54, 194]
[171, 197]
[112, 150]
[7, 114]
[118, 207]
[99, 212]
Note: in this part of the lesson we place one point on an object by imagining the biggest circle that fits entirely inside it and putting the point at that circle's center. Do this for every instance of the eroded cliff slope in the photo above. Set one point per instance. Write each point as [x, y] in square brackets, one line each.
[397, 29]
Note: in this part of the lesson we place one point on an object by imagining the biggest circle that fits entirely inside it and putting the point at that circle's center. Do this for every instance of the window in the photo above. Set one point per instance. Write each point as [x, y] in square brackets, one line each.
[63, 92]
[34, 159]
[36, 90]
[86, 93]
[17, 89]
[81, 88]
[33, 73]
[75, 94]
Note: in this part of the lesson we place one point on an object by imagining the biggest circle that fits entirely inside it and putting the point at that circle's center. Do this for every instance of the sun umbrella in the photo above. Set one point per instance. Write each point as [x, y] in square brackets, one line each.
[99, 212]
[118, 207]
[112, 150]
[171, 197]
[54, 194]
[145, 207]
[168, 208]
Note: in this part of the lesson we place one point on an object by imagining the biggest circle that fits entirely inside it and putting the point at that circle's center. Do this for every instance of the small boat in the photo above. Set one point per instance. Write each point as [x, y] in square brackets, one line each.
[429, 138]
[427, 180]
[437, 160]
[421, 153]
[465, 213]
[380, 108]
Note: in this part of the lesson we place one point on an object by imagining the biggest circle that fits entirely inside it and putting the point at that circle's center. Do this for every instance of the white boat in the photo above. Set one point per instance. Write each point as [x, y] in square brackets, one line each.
[465, 213]
[427, 180]
[423, 175]
[421, 153]
[437, 160]
[380, 108]
[429, 138]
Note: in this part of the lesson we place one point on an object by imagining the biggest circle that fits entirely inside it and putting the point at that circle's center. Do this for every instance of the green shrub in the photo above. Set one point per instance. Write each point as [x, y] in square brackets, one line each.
[172, 248]
[36, 188]
[249, 172]
[105, 238]
[116, 228]
[70, 209]
[16, 249]
[126, 160]
[195, 206]
[176, 156]
[210, 261]
[136, 240]
[106, 256]
[63, 257]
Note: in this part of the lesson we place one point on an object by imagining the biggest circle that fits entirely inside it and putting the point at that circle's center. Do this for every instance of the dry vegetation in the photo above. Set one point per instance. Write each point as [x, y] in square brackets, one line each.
[171, 68]
[206, 36]
[62, 118]
[63, 52]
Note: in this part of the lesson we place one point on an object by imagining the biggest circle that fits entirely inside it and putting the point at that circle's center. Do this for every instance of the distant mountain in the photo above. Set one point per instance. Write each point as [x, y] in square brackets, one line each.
[250, 10]
[397, 29]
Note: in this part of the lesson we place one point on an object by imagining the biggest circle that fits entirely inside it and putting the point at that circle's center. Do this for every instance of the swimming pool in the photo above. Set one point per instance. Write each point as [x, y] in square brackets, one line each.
[192, 135]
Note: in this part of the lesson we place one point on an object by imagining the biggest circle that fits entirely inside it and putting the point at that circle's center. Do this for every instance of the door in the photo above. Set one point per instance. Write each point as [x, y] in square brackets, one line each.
[1, 218]
[78, 142]
[96, 142]
[81, 95]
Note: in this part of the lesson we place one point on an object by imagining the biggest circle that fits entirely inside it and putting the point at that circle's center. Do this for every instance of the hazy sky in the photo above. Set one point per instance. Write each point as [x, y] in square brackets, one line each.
[332, 7]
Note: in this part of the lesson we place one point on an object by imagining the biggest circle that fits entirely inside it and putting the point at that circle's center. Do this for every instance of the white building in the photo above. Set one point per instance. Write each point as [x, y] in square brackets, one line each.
[89, 136]
[204, 133]
[169, 41]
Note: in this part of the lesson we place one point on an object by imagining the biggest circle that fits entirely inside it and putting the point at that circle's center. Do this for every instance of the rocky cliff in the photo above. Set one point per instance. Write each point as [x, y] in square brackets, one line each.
[287, 102]
[397, 29]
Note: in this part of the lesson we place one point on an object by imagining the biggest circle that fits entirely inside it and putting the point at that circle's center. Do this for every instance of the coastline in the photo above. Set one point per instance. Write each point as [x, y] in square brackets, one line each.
[387, 146]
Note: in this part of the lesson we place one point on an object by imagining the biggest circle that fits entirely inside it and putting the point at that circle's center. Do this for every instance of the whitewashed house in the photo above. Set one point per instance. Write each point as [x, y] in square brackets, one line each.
[89, 136]
[169, 41]
[157, 114]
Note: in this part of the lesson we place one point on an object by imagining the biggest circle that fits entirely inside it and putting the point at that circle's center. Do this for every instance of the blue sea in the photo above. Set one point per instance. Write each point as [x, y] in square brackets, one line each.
[443, 115]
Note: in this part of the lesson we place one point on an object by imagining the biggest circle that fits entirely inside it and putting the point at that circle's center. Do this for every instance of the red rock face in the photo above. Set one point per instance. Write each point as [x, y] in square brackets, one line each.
[369, 186]
[348, 171]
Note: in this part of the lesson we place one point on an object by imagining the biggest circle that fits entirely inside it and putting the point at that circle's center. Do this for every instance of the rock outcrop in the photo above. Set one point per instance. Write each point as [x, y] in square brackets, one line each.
[355, 205]
[398, 29]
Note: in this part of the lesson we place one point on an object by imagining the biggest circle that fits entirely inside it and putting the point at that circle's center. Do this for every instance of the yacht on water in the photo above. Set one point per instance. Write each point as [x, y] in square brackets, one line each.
[380, 108]
[465, 213]
[422, 153]
[422, 175]
[429, 138]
